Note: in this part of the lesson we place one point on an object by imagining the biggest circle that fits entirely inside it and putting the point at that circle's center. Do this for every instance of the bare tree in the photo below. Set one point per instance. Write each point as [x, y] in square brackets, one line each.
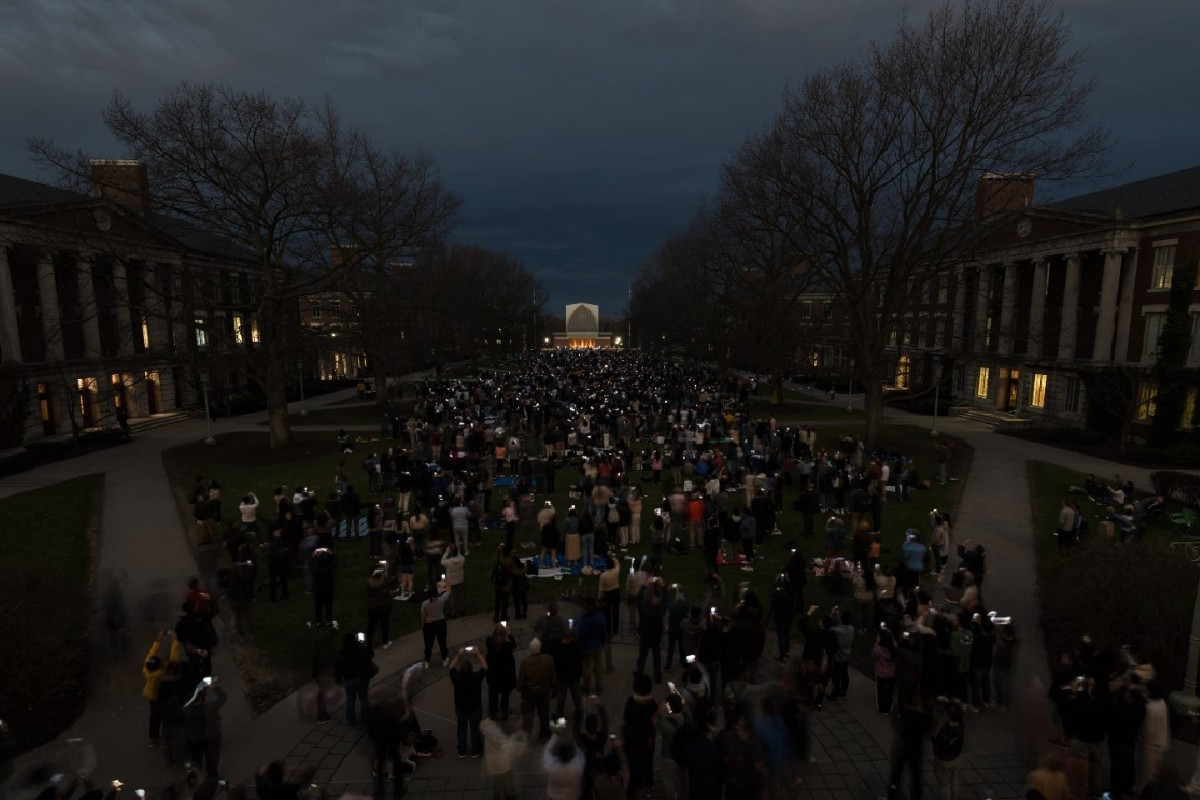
[384, 209]
[248, 169]
[880, 157]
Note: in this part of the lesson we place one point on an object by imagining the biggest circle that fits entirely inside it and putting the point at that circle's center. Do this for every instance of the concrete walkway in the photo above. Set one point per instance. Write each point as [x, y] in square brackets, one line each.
[144, 548]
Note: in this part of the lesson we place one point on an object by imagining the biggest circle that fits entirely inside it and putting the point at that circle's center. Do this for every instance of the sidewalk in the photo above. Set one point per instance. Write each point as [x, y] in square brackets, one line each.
[851, 741]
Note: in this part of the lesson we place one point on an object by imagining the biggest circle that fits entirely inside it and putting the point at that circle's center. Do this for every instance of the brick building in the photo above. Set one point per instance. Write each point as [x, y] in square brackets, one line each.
[106, 305]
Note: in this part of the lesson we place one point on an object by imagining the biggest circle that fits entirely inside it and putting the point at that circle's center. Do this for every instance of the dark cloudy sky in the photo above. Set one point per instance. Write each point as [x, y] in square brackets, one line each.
[579, 132]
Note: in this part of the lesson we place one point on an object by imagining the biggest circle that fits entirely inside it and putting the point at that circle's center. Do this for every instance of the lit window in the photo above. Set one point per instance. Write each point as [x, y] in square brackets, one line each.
[1147, 401]
[1164, 267]
[145, 334]
[254, 331]
[1187, 418]
[200, 333]
[981, 383]
[1071, 396]
[239, 326]
[903, 369]
[1037, 397]
[1154, 324]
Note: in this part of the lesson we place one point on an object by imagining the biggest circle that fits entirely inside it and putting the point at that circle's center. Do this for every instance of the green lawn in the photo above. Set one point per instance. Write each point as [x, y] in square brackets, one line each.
[47, 540]
[1139, 592]
[243, 462]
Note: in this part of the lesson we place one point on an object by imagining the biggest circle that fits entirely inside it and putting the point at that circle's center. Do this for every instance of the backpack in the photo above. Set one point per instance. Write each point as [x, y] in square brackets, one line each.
[948, 743]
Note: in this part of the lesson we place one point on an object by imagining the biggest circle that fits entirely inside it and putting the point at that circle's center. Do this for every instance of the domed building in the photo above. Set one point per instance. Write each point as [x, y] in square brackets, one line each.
[583, 328]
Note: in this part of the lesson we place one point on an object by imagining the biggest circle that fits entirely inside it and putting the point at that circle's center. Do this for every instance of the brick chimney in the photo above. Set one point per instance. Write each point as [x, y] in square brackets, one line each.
[121, 181]
[998, 192]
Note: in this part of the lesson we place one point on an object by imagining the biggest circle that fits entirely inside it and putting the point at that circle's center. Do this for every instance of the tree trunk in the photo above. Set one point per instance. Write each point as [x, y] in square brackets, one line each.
[382, 368]
[275, 390]
[873, 411]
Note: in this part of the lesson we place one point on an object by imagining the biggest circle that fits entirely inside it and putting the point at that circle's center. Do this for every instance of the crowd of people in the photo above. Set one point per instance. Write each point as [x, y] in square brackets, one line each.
[667, 454]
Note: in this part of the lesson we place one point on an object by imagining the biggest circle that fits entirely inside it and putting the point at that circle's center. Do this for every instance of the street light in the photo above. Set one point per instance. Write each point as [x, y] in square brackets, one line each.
[208, 440]
[300, 369]
[850, 387]
[937, 388]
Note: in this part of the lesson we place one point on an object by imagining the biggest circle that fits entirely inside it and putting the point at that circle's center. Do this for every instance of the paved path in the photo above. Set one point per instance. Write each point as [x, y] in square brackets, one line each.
[151, 560]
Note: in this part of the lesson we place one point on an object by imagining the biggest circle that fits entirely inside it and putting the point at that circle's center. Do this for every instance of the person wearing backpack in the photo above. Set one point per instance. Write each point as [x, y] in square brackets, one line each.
[947, 747]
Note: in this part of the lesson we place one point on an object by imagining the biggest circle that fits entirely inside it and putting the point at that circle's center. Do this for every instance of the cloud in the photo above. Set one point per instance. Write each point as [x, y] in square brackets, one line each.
[580, 134]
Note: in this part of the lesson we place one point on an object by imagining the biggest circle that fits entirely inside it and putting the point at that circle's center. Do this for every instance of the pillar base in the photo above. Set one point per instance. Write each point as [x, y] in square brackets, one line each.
[1184, 703]
[210, 441]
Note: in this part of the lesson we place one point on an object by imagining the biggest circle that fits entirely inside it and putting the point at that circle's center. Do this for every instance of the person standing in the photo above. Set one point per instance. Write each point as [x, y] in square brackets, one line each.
[783, 606]
[380, 588]
[912, 730]
[503, 567]
[883, 661]
[453, 563]
[651, 613]
[502, 749]
[593, 635]
[468, 699]
[153, 669]
[1154, 739]
[947, 747]
[323, 568]
[351, 513]
[202, 727]
[460, 524]
[520, 590]
[353, 670]
[433, 623]
[502, 670]
[568, 670]
[608, 592]
[843, 633]
[639, 732]
[563, 763]
[535, 680]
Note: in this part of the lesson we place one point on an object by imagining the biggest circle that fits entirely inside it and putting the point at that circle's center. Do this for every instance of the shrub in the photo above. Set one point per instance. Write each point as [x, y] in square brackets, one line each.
[1183, 454]
[1101, 590]
[1180, 485]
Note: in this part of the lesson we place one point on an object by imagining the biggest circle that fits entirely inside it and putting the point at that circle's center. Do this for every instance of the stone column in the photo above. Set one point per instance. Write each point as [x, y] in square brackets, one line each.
[51, 316]
[1007, 301]
[1106, 322]
[10, 333]
[121, 299]
[1070, 309]
[983, 288]
[956, 336]
[1037, 310]
[158, 306]
[88, 311]
[1125, 307]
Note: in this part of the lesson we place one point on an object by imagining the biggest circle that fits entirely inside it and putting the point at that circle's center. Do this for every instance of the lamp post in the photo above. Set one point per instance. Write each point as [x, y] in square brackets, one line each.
[850, 387]
[208, 440]
[937, 388]
[300, 369]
